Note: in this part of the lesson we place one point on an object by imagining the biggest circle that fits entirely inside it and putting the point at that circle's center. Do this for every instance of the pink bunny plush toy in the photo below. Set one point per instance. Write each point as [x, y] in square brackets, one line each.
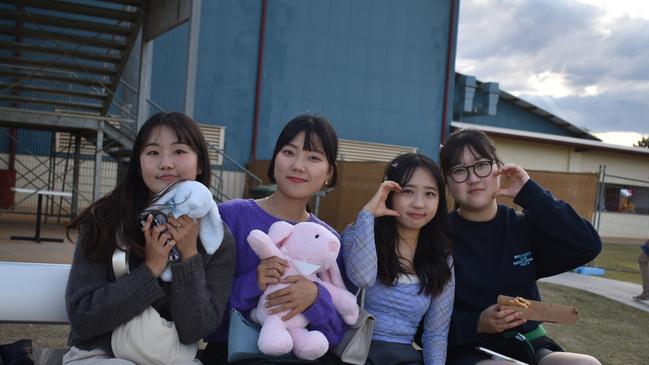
[311, 251]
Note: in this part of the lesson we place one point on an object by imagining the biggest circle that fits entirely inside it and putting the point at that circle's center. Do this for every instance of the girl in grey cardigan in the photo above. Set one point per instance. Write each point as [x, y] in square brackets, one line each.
[168, 148]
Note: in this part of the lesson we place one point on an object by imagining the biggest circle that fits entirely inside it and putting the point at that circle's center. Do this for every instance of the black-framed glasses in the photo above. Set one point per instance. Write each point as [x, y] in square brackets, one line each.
[460, 174]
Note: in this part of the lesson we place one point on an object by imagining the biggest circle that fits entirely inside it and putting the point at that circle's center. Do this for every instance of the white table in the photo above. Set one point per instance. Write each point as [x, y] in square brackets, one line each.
[37, 237]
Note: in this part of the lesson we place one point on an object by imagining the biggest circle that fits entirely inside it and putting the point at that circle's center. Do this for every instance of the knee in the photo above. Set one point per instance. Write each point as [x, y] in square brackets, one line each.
[587, 360]
[564, 358]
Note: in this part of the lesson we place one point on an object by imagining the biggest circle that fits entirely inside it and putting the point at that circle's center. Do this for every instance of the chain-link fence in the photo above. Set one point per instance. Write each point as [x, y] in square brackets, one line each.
[622, 214]
[33, 168]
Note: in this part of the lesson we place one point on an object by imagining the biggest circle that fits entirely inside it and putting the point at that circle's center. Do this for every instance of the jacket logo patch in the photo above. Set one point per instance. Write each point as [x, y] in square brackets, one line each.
[523, 259]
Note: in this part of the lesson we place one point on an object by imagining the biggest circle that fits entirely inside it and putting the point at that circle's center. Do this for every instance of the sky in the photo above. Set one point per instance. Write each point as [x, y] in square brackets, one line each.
[586, 61]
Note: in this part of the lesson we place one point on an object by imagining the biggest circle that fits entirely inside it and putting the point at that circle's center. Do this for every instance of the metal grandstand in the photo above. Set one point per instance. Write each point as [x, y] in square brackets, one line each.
[61, 68]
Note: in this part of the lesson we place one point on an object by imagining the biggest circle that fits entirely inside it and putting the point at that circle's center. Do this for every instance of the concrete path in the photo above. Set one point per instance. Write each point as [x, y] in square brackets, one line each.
[619, 291]
[30, 251]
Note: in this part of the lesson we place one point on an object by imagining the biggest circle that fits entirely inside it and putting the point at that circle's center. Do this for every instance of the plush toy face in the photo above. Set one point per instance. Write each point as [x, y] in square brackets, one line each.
[313, 244]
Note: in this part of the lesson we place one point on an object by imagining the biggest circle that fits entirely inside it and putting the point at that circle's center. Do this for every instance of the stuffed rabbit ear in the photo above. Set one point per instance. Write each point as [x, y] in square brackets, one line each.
[263, 246]
[332, 275]
[279, 231]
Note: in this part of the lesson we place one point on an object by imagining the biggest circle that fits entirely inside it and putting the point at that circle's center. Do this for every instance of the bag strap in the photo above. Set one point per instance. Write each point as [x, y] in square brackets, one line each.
[360, 298]
[120, 263]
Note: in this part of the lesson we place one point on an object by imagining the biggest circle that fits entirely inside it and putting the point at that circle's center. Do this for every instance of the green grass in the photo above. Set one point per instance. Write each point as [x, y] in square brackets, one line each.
[620, 262]
[614, 333]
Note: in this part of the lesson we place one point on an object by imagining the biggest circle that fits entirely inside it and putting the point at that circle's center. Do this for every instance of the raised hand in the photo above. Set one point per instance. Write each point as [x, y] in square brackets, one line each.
[515, 178]
[496, 320]
[376, 205]
[158, 243]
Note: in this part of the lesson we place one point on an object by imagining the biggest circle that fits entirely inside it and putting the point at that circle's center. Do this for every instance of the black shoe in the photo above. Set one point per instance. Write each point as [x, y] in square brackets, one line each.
[17, 353]
[643, 296]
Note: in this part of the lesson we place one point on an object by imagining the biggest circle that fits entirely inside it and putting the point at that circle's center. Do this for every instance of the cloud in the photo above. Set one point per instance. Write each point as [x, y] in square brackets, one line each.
[600, 113]
[585, 61]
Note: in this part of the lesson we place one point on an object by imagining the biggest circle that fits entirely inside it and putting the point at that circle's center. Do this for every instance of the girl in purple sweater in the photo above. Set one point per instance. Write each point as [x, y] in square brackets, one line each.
[303, 162]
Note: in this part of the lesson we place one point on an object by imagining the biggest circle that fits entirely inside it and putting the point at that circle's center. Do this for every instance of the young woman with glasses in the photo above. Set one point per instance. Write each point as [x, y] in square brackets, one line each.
[499, 251]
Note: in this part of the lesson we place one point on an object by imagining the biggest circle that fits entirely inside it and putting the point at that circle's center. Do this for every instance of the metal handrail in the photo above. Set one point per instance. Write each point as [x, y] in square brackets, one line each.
[240, 166]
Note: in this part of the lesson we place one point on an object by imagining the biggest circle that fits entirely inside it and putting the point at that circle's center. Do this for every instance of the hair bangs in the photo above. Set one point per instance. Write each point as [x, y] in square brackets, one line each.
[312, 141]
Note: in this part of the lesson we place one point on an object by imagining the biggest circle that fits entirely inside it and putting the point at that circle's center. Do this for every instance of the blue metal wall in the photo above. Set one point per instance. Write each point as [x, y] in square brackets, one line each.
[375, 68]
[169, 69]
[227, 70]
[512, 116]
[29, 142]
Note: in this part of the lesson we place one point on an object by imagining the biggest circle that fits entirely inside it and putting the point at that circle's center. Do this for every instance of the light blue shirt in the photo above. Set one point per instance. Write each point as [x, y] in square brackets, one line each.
[399, 308]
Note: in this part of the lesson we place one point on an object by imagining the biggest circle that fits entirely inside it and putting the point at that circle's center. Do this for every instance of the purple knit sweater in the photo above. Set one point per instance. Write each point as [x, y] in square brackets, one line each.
[242, 216]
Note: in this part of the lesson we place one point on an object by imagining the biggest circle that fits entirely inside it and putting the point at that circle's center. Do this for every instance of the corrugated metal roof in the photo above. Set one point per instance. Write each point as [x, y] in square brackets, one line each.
[553, 138]
[580, 133]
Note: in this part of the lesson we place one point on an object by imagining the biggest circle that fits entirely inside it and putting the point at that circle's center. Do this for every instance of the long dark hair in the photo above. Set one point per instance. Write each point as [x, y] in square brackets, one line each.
[115, 217]
[433, 246]
[316, 129]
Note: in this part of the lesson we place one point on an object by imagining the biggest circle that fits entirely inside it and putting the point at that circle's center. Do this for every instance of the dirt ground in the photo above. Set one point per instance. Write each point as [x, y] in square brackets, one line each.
[42, 335]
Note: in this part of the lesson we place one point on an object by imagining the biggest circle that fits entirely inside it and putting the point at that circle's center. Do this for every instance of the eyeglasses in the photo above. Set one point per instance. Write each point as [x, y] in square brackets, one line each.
[460, 174]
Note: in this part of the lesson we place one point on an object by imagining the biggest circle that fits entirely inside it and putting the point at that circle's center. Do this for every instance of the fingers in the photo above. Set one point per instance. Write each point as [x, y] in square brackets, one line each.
[270, 271]
[173, 223]
[295, 298]
[181, 223]
[390, 212]
[495, 320]
[278, 297]
[384, 190]
[513, 172]
[376, 205]
[507, 168]
[147, 223]
[185, 231]
[507, 319]
[274, 262]
[389, 185]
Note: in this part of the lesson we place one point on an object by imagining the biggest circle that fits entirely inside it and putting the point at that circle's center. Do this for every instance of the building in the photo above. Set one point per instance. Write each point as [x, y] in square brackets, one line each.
[78, 81]
[607, 183]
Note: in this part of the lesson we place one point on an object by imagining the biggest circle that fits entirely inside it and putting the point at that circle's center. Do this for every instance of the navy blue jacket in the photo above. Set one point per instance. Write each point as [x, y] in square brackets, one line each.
[509, 253]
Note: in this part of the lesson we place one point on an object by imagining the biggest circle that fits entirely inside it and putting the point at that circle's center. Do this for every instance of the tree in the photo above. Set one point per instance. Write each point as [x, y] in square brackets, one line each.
[643, 142]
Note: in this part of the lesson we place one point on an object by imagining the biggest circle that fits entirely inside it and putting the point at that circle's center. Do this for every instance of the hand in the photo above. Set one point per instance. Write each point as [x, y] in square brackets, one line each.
[158, 243]
[516, 178]
[185, 232]
[496, 320]
[376, 205]
[270, 271]
[295, 298]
